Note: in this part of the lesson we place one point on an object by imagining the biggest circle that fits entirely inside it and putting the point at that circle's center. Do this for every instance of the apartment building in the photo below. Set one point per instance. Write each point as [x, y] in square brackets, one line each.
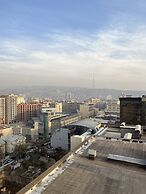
[2, 109]
[26, 111]
[8, 108]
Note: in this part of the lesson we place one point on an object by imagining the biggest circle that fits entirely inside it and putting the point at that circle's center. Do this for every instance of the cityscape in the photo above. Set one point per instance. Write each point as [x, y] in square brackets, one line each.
[39, 137]
[72, 97]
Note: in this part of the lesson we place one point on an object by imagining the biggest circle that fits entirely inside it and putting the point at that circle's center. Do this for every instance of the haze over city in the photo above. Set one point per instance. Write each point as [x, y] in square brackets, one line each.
[65, 43]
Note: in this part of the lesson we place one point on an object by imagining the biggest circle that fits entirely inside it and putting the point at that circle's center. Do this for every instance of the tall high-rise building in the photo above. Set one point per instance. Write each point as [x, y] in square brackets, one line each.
[8, 108]
[130, 110]
[11, 108]
[133, 110]
[2, 109]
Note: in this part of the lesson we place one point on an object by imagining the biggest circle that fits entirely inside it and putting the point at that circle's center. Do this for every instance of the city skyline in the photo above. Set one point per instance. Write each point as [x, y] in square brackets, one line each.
[64, 42]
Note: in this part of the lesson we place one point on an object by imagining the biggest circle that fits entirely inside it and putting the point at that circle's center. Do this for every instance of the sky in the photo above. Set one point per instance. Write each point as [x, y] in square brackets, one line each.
[68, 42]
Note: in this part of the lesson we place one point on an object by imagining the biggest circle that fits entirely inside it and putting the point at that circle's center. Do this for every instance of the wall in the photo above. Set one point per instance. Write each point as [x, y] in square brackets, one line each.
[60, 139]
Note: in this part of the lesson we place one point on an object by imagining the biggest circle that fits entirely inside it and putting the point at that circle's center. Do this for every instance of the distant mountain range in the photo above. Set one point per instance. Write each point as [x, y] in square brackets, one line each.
[64, 93]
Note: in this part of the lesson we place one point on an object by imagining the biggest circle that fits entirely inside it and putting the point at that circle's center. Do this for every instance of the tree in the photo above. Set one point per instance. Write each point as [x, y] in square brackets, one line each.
[1, 155]
[12, 187]
[20, 151]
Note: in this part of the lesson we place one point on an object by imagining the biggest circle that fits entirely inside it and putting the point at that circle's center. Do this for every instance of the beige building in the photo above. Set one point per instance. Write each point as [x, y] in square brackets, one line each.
[113, 106]
[58, 107]
[62, 120]
[8, 108]
[76, 140]
[2, 109]
[70, 119]
[20, 100]
[11, 108]
[92, 101]
[5, 131]
[86, 111]
[2, 146]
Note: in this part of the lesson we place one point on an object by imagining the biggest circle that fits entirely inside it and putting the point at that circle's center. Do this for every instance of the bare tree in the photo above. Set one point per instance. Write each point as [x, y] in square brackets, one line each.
[1, 155]
[19, 151]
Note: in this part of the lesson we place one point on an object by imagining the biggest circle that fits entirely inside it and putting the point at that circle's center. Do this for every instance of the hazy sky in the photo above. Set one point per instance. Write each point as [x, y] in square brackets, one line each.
[65, 42]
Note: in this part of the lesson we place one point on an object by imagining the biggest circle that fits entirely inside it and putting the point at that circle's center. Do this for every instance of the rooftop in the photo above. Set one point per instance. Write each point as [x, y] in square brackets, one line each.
[2, 142]
[81, 175]
[88, 123]
[11, 138]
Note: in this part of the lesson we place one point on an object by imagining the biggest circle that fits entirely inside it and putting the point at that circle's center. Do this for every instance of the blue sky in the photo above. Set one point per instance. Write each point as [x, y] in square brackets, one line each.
[65, 42]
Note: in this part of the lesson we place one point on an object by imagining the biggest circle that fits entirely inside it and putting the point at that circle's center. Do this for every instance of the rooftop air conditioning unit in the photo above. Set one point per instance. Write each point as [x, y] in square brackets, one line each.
[92, 154]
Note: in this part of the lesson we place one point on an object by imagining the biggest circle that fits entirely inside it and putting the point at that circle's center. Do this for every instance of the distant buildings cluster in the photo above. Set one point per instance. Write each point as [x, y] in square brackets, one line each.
[38, 119]
[67, 125]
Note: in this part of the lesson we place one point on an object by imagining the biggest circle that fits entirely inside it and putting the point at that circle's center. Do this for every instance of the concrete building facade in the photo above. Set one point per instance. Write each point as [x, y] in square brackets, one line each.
[2, 146]
[133, 110]
[11, 108]
[60, 138]
[70, 107]
[2, 110]
[12, 141]
[130, 110]
[87, 110]
[113, 106]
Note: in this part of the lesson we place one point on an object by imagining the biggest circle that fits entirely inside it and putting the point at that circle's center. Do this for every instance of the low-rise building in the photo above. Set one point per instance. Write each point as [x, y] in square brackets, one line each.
[31, 133]
[5, 131]
[70, 107]
[94, 101]
[113, 106]
[87, 110]
[60, 138]
[12, 141]
[2, 146]
[70, 119]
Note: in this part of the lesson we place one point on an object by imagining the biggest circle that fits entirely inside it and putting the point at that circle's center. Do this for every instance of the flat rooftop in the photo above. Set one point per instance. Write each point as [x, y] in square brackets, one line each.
[101, 175]
[88, 123]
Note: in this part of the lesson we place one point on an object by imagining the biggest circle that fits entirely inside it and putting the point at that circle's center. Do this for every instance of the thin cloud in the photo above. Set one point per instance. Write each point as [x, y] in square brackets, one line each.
[116, 56]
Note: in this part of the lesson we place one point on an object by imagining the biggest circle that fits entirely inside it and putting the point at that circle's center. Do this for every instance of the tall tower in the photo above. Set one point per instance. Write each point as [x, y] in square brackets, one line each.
[2, 109]
[11, 108]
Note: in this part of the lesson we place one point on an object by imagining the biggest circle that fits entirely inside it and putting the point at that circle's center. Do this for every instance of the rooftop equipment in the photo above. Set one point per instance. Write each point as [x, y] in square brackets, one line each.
[92, 154]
